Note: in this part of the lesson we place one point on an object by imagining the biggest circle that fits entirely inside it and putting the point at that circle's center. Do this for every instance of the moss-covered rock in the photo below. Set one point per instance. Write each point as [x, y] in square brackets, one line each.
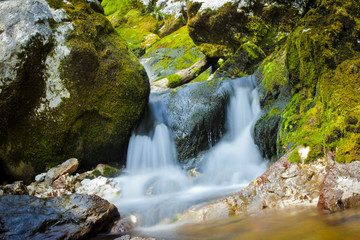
[317, 64]
[70, 88]
[245, 61]
[172, 53]
[221, 27]
[135, 20]
[132, 21]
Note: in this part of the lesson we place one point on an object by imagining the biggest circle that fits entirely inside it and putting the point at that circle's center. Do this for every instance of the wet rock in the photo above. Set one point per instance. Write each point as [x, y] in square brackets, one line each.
[67, 217]
[68, 166]
[197, 115]
[284, 184]
[16, 188]
[124, 224]
[265, 134]
[341, 187]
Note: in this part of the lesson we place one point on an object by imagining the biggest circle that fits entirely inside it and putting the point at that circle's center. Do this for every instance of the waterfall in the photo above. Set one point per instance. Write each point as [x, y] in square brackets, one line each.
[156, 187]
[236, 159]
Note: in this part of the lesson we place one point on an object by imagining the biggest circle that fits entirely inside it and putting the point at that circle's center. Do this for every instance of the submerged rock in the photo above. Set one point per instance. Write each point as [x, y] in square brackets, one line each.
[69, 86]
[67, 217]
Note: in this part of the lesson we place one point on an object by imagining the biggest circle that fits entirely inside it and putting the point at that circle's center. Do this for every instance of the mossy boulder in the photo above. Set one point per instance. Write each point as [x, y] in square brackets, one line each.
[70, 87]
[315, 65]
[172, 53]
[135, 20]
[245, 61]
[221, 27]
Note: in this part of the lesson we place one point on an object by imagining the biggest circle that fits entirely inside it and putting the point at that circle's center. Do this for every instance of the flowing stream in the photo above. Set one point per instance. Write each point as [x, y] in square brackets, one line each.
[156, 187]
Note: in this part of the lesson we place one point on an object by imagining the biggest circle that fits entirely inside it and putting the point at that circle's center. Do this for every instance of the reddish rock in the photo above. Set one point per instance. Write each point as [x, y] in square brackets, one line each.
[284, 184]
[341, 187]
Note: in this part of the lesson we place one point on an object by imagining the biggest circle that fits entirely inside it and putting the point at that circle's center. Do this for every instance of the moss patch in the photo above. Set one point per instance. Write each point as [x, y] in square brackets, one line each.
[131, 20]
[173, 53]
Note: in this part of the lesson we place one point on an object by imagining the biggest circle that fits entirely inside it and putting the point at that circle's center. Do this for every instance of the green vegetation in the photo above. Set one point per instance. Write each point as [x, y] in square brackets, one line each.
[131, 20]
[318, 62]
[174, 80]
[173, 53]
[274, 71]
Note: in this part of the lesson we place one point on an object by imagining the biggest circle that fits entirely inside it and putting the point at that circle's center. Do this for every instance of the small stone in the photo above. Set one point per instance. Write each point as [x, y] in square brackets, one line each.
[40, 177]
[69, 166]
[106, 171]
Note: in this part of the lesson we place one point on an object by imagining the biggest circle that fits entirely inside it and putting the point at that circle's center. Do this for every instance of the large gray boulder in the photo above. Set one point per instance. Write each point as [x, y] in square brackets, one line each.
[69, 87]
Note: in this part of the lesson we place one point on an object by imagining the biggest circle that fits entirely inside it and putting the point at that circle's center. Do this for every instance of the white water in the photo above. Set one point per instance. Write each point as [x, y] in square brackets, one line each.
[156, 187]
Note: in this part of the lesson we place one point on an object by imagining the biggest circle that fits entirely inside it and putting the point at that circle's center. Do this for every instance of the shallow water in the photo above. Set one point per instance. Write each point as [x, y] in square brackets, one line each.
[284, 224]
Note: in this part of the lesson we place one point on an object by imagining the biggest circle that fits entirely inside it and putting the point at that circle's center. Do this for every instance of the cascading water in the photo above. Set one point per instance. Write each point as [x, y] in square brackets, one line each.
[236, 159]
[156, 187]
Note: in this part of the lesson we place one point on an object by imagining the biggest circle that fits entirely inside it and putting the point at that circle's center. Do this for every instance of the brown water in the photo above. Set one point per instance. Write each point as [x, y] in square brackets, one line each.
[287, 224]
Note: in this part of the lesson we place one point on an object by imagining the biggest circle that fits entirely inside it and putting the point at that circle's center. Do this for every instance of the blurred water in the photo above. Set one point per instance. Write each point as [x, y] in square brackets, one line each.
[156, 187]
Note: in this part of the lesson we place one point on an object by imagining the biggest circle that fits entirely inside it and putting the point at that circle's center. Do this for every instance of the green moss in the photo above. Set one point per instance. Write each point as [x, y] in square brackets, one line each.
[173, 53]
[274, 72]
[96, 173]
[294, 156]
[202, 77]
[216, 50]
[273, 111]
[131, 20]
[111, 172]
[341, 101]
[111, 6]
[174, 80]
[320, 59]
